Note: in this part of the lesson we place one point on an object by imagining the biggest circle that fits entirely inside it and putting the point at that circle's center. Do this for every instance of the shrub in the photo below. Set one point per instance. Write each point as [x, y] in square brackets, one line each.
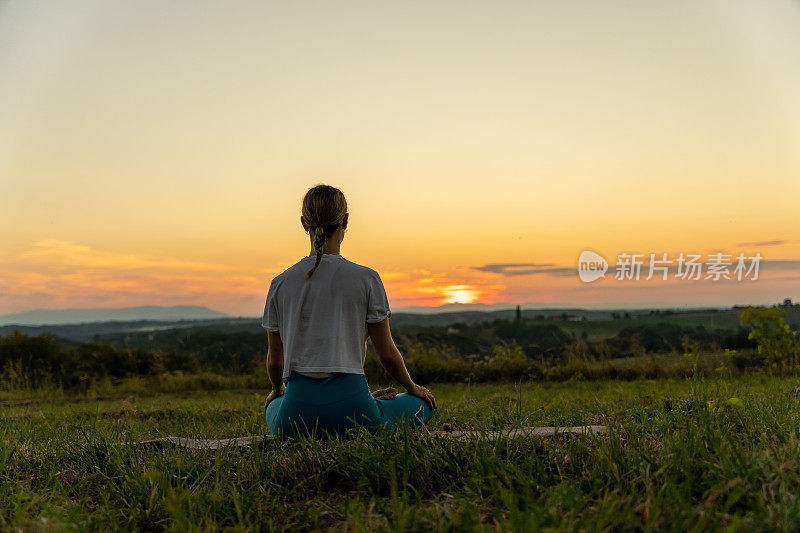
[777, 343]
[509, 363]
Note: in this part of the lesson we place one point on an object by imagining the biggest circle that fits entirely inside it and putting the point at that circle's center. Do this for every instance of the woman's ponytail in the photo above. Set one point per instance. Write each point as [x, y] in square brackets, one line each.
[319, 243]
[324, 208]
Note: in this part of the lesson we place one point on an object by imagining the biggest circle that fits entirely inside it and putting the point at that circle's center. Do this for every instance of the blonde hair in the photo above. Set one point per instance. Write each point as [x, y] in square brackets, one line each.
[324, 208]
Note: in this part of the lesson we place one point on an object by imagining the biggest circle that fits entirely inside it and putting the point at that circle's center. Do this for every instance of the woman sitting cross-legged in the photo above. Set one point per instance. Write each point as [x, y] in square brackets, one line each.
[318, 315]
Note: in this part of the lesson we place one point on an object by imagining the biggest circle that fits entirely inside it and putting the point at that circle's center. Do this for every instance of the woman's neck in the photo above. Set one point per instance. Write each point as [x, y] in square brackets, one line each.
[330, 250]
[332, 243]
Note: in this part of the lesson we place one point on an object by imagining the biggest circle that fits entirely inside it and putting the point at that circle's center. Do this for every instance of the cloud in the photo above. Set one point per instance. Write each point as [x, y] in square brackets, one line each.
[525, 269]
[423, 287]
[66, 253]
[764, 243]
[782, 264]
[55, 273]
[549, 269]
[394, 276]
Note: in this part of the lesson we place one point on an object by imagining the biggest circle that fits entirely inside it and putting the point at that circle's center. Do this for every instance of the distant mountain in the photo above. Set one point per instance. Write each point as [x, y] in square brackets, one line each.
[454, 308]
[76, 316]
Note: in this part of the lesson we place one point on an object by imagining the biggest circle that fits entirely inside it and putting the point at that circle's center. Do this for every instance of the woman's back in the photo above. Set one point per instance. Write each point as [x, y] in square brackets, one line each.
[322, 319]
[319, 313]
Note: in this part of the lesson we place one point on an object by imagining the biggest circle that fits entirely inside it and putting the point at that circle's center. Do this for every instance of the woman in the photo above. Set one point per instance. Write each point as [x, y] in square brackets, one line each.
[318, 315]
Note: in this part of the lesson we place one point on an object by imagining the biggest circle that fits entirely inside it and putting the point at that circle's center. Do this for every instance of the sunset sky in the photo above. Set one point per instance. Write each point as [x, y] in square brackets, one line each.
[156, 153]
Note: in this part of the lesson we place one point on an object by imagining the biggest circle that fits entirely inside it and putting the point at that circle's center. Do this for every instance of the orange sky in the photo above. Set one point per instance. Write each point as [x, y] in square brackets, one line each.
[157, 153]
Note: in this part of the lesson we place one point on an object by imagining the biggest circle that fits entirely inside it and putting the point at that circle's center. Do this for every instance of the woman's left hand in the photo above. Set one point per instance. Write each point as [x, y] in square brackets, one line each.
[385, 394]
[273, 394]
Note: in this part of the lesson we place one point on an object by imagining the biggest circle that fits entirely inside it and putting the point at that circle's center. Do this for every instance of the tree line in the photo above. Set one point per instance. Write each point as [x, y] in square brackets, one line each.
[498, 350]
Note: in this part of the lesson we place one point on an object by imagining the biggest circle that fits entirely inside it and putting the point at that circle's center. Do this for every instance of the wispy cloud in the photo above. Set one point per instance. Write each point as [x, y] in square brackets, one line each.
[423, 287]
[549, 269]
[764, 243]
[782, 264]
[525, 269]
[76, 255]
[54, 273]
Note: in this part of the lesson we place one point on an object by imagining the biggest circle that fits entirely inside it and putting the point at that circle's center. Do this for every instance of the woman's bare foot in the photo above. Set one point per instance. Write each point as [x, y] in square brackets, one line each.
[385, 394]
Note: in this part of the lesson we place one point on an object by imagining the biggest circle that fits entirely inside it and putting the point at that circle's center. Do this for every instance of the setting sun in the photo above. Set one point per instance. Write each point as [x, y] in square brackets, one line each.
[460, 294]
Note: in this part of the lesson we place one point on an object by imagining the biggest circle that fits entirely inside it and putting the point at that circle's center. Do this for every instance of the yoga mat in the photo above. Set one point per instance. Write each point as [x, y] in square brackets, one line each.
[240, 442]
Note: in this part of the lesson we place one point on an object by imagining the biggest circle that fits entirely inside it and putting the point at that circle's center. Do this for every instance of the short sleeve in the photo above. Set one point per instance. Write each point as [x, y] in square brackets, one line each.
[377, 301]
[270, 319]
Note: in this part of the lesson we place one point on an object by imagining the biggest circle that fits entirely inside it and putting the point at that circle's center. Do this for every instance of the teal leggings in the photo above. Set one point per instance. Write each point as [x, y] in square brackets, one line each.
[336, 404]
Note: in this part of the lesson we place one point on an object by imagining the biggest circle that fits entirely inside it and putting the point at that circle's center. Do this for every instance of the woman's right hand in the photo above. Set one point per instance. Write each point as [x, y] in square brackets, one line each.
[421, 392]
[392, 361]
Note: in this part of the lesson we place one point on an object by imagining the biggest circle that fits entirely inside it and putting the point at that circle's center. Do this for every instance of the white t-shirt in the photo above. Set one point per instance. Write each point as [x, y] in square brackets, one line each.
[323, 319]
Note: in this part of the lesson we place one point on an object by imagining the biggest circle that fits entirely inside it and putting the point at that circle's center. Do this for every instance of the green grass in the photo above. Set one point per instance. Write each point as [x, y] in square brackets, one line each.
[680, 455]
